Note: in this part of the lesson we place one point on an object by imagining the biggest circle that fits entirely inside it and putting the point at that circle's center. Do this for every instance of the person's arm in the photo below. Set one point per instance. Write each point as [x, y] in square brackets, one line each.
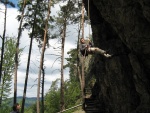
[91, 44]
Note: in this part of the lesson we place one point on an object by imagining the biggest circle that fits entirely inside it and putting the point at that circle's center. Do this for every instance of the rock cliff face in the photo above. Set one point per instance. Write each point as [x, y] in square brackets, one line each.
[123, 28]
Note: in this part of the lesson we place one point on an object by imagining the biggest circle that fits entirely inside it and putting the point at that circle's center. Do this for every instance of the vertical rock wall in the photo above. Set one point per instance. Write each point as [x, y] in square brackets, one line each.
[123, 28]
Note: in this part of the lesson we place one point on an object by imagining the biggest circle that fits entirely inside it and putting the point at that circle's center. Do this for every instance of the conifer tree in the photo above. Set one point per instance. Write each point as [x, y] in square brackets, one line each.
[35, 18]
[17, 50]
[27, 25]
[42, 54]
[68, 15]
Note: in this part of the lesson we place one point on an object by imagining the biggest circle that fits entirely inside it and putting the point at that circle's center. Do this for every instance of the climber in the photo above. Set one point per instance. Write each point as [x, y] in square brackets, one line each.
[86, 49]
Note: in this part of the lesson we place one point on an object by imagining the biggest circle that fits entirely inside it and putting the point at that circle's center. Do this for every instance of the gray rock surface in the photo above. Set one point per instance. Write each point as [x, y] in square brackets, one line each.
[123, 28]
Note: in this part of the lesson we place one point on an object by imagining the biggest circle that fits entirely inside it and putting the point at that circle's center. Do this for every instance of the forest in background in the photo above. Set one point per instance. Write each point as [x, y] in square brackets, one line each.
[35, 16]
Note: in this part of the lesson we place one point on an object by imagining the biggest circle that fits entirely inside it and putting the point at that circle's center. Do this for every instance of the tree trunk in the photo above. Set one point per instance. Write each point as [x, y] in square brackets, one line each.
[82, 20]
[27, 73]
[42, 99]
[17, 52]
[42, 58]
[78, 56]
[2, 90]
[83, 76]
[2, 52]
[28, 64]
[62, 103]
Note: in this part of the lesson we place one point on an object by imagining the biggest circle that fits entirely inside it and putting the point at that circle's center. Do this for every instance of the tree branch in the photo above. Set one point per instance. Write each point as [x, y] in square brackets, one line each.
[55, 61]
[53, 54]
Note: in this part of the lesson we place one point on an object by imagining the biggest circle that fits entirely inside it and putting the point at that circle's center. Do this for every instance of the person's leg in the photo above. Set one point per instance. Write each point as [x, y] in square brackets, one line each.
[98, 50]
[107, 55]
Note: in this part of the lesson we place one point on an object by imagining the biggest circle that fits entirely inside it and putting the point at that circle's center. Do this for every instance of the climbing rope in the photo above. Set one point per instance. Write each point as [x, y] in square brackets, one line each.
[70, 108]
[89, 16]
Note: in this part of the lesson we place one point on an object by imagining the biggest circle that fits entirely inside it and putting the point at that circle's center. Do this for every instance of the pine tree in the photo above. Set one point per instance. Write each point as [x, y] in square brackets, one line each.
[68, 15]
[17, 50]
[42, 54]
[35, 20]
[32, 17]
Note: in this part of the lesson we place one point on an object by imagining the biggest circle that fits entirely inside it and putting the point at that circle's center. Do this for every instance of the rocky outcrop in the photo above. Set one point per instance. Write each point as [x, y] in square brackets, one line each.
[123, 28]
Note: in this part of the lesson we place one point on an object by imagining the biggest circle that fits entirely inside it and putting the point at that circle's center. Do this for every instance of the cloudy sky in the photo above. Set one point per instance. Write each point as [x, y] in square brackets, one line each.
[51, 70]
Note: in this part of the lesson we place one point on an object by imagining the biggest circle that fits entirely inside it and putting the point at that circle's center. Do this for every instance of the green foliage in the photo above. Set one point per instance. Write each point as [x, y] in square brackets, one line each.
[5, 109]
[72, 94]
[35, 19]
[35, 15]
[72, 91]
[72, 64]
[52, 98]
[7, 70]
[68, 13]
[31, 109]
[72, 88]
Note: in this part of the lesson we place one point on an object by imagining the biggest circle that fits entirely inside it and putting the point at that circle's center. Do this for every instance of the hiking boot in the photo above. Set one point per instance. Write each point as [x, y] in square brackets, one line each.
[107, 55]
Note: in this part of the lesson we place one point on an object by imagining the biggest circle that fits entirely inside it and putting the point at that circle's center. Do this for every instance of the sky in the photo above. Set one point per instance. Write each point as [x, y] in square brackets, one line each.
[51, 70]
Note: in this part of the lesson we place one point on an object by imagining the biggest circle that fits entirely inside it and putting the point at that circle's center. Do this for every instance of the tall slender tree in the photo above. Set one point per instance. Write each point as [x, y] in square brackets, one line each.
[78, 58]
[34, 17]
[28, 62]
[62, 22]
[62, 104]
[5, 2]
[82, 75]
[17, 51]
[67, 15]
[42, 55]
[42, 94]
